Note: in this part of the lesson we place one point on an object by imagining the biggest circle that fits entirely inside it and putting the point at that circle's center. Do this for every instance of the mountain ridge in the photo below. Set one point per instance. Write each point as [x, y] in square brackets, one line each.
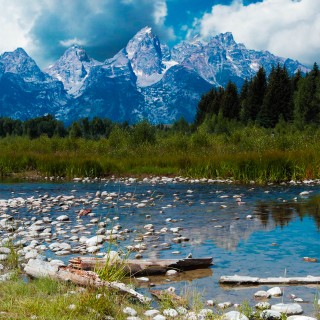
[144, 80]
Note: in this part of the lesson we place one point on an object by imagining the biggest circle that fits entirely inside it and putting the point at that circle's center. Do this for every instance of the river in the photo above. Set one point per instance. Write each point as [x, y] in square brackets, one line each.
[262, 231]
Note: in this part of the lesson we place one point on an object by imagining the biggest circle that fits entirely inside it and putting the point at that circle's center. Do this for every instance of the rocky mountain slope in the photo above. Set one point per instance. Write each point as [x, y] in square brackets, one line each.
[145, 80]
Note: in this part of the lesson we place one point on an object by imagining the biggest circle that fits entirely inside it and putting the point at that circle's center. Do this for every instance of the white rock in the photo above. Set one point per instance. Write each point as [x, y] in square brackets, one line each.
[95, 240]
[151, 313]
[63, 218]
[170, 313]
[32, 254]
[288, 308]
[171, 272]
[275, 292]
[143, 279]
[300, 318]
[130, 311]
[270, 315]
[225, 305]
[3, 257]
[182, 310]
[159, 317]
[234, 315]
[206, 313]
[210, 303]
[263, 305]
[262, 294]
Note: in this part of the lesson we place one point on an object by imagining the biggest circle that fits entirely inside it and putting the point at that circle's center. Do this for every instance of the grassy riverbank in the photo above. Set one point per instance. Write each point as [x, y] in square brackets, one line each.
[244, 154]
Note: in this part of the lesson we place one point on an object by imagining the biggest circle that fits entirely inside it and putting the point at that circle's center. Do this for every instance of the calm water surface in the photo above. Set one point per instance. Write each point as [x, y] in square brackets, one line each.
[285, 227]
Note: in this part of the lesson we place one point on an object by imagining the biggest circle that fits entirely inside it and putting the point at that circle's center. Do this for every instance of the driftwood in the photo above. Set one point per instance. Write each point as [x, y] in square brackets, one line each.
[143, 267]
[244, 280]
[37, 269]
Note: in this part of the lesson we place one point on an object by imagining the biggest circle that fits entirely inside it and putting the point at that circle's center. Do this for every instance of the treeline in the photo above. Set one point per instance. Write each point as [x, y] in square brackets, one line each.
[95, 128]
[265, 100]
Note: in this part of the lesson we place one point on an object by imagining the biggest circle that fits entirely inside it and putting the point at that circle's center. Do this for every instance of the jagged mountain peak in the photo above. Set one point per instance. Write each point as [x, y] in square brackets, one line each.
[145, 54]
[76, 52]
[20, 63]
[72, 68]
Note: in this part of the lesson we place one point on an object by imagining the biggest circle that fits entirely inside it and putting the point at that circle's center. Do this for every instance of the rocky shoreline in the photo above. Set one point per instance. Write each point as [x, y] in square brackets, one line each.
[51, 228]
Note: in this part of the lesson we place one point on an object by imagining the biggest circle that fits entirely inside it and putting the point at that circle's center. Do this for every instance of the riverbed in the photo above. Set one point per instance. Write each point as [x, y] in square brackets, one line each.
[252, 230]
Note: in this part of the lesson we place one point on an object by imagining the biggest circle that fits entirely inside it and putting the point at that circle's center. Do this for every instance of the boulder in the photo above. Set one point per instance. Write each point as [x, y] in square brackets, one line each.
[288, 308]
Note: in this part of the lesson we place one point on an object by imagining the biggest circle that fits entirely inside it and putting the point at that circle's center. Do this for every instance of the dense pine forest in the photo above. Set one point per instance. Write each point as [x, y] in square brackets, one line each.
[267, 131]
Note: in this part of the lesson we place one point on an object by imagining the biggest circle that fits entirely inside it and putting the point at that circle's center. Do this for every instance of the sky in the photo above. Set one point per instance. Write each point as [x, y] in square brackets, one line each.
[46, 28]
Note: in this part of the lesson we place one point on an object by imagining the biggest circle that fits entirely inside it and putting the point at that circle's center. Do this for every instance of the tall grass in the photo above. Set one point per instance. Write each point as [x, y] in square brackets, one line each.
[245, 154]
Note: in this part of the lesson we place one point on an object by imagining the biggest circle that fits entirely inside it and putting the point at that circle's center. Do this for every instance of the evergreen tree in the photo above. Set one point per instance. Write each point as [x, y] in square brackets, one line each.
[278, 98]
[306, 99]
[230, 105]
[255, 96]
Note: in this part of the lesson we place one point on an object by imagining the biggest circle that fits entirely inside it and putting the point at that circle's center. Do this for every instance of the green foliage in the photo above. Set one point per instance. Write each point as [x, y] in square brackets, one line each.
[49, 299]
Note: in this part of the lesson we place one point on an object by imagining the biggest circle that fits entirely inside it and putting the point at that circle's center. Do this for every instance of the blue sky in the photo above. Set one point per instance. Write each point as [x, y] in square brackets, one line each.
[46, 28]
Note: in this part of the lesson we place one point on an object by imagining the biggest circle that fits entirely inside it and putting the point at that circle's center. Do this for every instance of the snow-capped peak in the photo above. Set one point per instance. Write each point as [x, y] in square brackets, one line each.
[72, 68]
[19, 62]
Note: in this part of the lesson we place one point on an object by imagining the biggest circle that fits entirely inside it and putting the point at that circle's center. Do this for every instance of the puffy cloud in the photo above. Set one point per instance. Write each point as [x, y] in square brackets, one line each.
[45, 27]
[289, 28]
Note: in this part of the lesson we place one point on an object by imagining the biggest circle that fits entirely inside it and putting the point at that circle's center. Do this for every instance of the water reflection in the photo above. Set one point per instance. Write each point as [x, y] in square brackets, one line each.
[282, 213]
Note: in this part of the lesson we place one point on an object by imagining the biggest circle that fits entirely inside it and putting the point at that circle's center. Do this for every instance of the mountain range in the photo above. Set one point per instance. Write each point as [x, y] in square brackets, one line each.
[145, 80]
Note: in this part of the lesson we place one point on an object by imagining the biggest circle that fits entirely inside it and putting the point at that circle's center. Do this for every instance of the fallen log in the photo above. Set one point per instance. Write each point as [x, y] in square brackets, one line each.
[142, 267]
[245, 280]
[38, 269]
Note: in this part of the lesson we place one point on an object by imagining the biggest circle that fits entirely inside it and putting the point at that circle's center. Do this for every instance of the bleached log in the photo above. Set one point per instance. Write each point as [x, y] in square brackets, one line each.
[143, 267]
[38, 269]
[245, 280]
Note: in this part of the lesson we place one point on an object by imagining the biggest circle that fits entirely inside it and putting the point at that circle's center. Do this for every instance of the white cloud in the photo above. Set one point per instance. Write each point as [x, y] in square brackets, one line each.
[70, 42]
[16, 21]
[284, 27]
[160, 12]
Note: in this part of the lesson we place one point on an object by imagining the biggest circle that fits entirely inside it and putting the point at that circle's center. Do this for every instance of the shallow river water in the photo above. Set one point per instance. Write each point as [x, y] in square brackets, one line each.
[248, 230]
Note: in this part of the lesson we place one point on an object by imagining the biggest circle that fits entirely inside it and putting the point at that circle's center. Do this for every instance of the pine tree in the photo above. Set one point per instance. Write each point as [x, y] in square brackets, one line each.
[256, 92]
[278, 98]
[230, 104]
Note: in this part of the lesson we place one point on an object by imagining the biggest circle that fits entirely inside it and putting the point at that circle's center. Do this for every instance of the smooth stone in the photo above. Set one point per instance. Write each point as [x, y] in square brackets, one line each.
[300, 318]
[262, 294]
[159, 317]
[62, 218]
[143, 279]
[151, 313]
[5, 250]
[263, 306]
[270, 315]
[210, 303]
[170, 313]
[288, 308]
[182, 310]
[224, 305]
[130, 311]
[171, 273]
[95, 240]
[275, 292]
[32, 254]
[3, 257]
[206, 313]
[235, 315]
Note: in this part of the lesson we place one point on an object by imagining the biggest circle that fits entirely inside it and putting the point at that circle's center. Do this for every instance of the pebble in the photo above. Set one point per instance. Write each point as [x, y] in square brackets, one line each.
[170, 313]
[263, 306]
[234, 315]
[151, 313]
[275, 292]
[262, 294]
[130, 311]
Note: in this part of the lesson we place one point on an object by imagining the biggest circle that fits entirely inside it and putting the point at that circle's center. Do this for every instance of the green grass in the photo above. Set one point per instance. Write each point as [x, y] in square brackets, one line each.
[47, 299]
[244, 155]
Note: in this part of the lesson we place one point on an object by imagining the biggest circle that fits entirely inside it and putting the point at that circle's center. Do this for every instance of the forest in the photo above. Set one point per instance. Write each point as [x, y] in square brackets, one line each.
[267, 131]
